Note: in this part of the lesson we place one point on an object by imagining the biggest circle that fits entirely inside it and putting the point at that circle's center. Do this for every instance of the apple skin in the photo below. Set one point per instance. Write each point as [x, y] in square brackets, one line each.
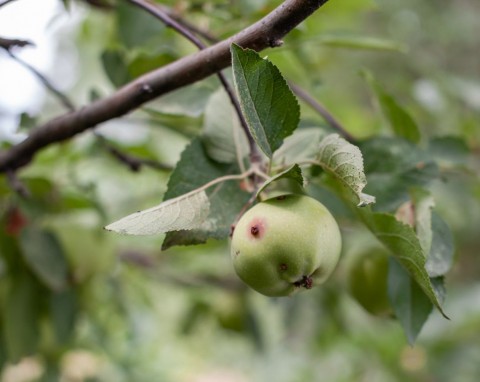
[367, 281]
[285, 244]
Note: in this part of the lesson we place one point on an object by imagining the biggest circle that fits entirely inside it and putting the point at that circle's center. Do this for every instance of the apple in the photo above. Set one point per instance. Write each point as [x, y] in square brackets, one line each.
[285, 244]
[367, 281]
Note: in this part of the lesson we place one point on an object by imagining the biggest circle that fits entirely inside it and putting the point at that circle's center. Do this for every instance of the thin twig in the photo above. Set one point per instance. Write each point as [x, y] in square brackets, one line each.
[6, 2]
[184, 71]
[9, 43]
[320, 109]
[64, 100]
[17, 185]
[138, 259]
[100, 4]
[134, 163]
[207, 36]
[161, 14]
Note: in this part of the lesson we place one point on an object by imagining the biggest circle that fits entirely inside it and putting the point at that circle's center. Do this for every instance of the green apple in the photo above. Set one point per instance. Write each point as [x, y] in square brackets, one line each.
[285, 244]
[367, 281]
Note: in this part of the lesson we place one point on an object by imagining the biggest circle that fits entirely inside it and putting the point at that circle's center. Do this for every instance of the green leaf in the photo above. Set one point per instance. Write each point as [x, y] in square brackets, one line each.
[440, 258]
[294, 173]
[364, 43]
[144, 62]
[27, 121]
[135, 27]
[269, 106]
[400, 120]
[423, 202]
[222, 135]
[44, 197]
[345, 162]
[63, 312]
[449, 151]
[402, 241]
[185, 212]
[299, 147]
[193, 170]
[188, 101]
[408, 301]
[393, 167]
[21, 320]
[438, 284]
[115, 67]
[44, 255]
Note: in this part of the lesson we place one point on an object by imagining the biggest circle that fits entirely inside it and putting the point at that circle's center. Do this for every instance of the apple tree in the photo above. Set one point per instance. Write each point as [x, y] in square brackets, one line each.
[198, 130]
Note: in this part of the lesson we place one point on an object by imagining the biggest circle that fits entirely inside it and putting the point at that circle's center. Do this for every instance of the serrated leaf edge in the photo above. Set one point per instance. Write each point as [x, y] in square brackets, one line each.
[341, 144]
[132, 224]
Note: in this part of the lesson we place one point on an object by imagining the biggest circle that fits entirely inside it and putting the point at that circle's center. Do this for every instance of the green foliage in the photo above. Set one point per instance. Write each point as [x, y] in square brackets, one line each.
[411, 305]
[268, 104]
[293, 173]
[136, 27]
[44, 255]
[367, 280]
[362, 42]
[194, 170]
[401, 122]
[393, 166]
[405, 247]
[345, 162]
[21, 324]
[223, 137]
[440, 257]
[115, 67]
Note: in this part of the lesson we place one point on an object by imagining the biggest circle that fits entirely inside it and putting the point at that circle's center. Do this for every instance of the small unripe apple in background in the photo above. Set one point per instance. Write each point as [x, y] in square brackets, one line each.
[285, 244]
[367, 281]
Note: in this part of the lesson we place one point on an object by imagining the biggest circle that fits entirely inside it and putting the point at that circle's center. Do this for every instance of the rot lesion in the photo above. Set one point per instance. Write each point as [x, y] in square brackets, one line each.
[256, 228]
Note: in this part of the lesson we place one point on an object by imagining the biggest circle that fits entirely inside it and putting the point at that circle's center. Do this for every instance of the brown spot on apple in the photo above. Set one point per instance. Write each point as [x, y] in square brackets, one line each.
[256, 228]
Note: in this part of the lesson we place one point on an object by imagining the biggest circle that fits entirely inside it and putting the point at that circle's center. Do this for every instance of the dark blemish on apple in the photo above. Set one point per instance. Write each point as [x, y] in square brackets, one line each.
[237, 252]
[256, 228]
[232, 228]
[281, 197]
[305, 281]
[283, 267]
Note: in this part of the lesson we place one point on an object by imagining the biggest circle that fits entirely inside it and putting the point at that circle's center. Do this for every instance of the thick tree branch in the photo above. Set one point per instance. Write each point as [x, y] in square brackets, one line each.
[265, 33]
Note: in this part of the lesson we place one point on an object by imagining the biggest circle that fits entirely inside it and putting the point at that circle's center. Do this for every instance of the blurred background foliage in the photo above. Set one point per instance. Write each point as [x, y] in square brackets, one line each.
[81, 304]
